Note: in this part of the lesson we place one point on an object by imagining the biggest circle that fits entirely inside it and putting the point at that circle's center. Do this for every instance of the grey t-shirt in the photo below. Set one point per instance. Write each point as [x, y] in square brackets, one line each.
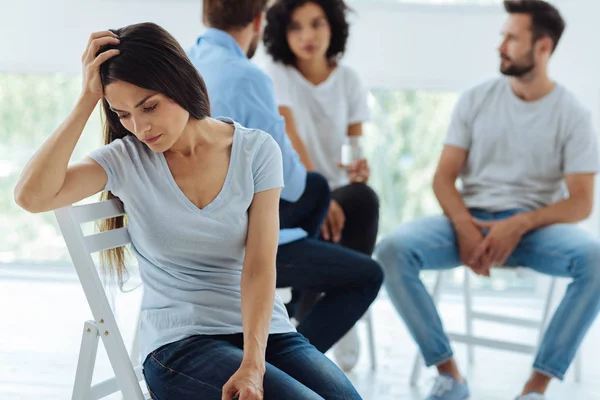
[191, 259]
[519, 152]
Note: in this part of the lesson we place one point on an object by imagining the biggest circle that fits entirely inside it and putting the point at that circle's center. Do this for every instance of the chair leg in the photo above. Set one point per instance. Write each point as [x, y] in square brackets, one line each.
[468, 314]
[578, 367]
[86, 362]
[371, 337]
[417, 364]
[416, 370]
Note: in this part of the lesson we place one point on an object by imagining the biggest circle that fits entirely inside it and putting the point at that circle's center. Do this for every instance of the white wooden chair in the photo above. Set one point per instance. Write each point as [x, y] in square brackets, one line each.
[471, 340]
[104, 325]
[368, 319]
[127, 377]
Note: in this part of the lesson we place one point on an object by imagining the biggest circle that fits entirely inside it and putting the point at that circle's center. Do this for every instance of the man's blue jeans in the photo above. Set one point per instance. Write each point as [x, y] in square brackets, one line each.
[558, 250]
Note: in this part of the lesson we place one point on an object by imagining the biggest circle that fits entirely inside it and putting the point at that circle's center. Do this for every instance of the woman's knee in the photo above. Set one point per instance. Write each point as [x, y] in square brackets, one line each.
[317, 183]
[365, 197]
[292, 354]
[377, 272]
[323, 377]
[366, 270]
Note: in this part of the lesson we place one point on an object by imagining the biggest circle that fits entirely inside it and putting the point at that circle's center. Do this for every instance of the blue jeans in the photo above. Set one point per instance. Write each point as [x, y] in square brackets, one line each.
[199, 366]
[311, 208]
[558, 250]
[349, 279]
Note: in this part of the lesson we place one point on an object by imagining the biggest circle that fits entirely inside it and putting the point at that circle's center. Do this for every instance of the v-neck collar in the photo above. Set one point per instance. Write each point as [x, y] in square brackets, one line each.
[215, 202]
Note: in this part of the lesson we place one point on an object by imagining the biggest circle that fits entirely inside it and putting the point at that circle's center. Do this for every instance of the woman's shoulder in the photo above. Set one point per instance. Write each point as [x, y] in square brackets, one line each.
[123, 151]
[251, 139]
[349, 75]
[253, 143]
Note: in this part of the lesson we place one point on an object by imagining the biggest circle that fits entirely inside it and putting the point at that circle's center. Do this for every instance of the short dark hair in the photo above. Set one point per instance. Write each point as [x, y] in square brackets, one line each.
[279, 19]
[546, 20]
[231, 14]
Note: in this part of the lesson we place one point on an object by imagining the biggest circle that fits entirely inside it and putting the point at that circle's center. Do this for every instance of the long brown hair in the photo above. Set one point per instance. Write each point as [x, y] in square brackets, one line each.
[152, 59]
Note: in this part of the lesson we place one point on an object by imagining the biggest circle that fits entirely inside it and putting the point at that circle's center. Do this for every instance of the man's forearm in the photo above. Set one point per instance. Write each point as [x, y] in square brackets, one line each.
[566, 211]
[451, 201]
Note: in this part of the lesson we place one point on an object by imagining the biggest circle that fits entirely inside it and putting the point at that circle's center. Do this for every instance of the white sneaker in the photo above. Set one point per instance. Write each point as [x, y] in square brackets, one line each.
[347, 350]
[531, 396]
[446, 388]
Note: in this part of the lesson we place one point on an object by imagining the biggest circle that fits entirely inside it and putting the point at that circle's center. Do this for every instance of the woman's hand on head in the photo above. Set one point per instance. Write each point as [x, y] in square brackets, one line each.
[92, 86]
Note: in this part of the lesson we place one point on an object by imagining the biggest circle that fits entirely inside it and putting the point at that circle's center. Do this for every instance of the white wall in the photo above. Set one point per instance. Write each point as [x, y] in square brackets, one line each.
[50, 35]
[392, 46]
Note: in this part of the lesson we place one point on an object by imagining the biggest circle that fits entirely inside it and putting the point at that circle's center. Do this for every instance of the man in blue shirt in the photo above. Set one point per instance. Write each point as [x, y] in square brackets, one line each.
[238, 89]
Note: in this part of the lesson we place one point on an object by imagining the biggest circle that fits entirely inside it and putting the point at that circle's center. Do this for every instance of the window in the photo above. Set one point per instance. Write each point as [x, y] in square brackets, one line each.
[31, 107]
[404, 140]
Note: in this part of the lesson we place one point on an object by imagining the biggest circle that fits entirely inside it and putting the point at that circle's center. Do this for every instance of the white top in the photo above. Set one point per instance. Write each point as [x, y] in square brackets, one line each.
[520, 151]
[190, 258]
[322, 112]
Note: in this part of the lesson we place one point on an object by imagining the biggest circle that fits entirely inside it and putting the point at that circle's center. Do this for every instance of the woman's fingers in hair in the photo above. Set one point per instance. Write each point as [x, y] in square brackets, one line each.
[108, 54]
[98, 35]
[95, 44]
[93, 36]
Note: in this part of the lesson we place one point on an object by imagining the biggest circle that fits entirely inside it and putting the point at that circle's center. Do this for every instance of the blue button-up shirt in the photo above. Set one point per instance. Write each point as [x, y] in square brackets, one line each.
[238, 89]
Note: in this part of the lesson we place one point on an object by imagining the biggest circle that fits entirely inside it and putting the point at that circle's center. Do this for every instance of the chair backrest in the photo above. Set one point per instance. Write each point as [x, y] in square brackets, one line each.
[81, 248]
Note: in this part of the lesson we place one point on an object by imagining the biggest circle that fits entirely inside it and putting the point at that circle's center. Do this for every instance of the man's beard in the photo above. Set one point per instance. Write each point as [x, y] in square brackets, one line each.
[519, 70]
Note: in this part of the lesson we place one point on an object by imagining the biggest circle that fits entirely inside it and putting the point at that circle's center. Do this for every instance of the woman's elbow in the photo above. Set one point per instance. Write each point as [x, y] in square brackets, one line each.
[27, 201]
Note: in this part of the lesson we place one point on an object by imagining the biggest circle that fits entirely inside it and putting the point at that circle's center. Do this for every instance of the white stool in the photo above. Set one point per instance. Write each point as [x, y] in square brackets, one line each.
[471, 340]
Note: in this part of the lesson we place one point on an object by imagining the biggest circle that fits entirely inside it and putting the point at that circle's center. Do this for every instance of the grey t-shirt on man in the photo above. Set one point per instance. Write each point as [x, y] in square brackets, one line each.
[519, 152]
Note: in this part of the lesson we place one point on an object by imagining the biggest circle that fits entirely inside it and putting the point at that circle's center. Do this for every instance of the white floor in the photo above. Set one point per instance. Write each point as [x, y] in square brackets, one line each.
[42, 316]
